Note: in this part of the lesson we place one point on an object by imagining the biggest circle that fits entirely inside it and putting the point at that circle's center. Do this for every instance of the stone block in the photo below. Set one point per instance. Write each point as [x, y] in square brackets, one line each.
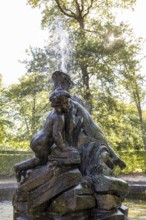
[112, 185]
[107, 202]
[39, 176]
[71, 201]
[54, 187]
[70, 157]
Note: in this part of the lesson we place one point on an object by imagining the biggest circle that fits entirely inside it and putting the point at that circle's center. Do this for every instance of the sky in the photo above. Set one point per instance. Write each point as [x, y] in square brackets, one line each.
[20, 27]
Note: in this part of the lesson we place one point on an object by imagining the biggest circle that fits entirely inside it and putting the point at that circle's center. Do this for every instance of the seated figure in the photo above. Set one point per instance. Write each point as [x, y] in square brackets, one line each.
[51, 133]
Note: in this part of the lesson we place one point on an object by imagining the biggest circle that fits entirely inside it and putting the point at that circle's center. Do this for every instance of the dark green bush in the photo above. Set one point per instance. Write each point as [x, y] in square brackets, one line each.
[135, 161]
[9, 159]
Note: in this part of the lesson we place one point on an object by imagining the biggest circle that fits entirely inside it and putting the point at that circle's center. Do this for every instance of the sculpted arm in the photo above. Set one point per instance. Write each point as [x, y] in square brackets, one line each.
[57, 130]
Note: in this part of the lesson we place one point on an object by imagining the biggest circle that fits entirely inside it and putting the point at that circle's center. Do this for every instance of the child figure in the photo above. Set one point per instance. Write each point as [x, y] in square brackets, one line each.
[55, 123]
[51, 133]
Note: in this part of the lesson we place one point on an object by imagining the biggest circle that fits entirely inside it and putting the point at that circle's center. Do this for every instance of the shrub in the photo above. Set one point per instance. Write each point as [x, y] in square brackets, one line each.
[9, 159]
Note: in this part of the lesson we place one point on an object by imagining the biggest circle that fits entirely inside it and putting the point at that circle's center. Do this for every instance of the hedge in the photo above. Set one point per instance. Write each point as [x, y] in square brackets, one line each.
[9, 158]
[135, 161]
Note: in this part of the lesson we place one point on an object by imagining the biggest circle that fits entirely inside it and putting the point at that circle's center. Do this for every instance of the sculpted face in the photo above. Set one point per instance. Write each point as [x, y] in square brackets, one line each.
[60, 100]
[63, 107]
[65, 104]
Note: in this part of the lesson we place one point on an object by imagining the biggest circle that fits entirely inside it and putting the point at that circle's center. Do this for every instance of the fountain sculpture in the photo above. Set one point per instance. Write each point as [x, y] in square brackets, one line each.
[71, 176]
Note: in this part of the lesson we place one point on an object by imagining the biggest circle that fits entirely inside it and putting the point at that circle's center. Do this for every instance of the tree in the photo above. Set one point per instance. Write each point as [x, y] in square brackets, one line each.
[119, 121]
[5, 123]
[79, 19]
[28, 102]
[103, 52]
[134, 82]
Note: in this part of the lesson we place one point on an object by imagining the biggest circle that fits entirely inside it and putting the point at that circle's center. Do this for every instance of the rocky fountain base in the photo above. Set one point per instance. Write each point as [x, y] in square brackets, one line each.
[58, 191]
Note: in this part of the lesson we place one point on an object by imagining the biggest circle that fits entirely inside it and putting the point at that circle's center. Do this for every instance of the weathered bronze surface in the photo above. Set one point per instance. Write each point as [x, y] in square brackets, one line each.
[72, 173]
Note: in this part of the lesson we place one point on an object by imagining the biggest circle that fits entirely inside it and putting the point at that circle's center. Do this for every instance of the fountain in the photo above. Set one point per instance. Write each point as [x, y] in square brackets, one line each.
[72, 173]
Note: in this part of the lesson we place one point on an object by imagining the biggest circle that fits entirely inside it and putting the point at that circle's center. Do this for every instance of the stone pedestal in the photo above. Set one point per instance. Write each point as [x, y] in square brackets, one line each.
[59, 191]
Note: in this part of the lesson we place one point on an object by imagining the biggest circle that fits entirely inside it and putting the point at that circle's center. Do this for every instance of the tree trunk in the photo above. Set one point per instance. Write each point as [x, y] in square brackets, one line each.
[139, 109]
[142, 126]
[87, 93]
[33, 125]
[85, 75]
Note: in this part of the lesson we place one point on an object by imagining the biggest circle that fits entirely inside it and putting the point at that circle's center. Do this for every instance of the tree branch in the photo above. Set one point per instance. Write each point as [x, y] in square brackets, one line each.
[88, 9]
[71, 14]
[82, 5]
[78, 7]
[27, 126]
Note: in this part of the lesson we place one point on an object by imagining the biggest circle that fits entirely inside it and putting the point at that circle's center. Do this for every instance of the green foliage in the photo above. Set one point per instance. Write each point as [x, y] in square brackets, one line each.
[14, 142]
[8, 160]
[27, 105]
[4, 121]
[135, 161]
[119, 120]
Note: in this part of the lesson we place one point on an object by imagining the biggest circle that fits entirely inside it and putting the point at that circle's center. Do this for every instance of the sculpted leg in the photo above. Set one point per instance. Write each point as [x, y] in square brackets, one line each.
[22, 167]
